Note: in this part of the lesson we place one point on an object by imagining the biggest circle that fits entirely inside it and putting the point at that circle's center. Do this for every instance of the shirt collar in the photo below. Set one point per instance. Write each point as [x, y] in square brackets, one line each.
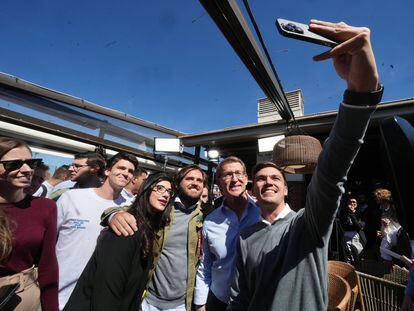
[286, 210]
[249, 204]
[182, 207]
[127, 193]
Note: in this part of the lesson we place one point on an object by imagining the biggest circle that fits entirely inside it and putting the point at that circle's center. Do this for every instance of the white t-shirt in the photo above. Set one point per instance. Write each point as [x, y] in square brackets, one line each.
[39, 192]
[79, 212]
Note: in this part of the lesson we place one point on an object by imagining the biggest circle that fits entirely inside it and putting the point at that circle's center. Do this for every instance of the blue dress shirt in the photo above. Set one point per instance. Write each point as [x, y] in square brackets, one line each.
[221, 230]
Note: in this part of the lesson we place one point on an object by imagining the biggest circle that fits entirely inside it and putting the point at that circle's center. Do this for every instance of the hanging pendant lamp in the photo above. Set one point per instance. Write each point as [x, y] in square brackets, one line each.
[297, 154]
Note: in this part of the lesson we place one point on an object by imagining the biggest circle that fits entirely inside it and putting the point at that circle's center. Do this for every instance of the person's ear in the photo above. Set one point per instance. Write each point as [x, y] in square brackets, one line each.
[106, 172]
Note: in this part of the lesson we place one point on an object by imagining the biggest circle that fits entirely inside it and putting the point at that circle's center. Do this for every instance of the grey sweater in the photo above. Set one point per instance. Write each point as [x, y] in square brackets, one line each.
[167, 288]
[284, 266]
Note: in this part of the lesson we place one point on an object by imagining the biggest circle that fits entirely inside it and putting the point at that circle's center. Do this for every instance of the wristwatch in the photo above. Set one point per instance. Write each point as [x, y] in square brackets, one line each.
[364, 98]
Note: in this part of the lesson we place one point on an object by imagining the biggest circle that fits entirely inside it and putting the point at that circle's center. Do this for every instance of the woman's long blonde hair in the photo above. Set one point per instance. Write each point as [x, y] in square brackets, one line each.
[7, 144]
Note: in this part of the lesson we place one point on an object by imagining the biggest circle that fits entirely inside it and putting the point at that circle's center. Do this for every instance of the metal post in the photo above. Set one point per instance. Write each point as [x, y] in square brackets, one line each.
[197, 155]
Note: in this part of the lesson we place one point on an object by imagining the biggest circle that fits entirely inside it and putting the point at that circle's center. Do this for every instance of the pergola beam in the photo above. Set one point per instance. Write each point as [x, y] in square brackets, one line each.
[230, 20]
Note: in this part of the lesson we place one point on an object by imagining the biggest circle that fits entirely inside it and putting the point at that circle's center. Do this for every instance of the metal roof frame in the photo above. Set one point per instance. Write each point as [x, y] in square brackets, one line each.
[309, 123]
[16, 89]
[231, 22]
[27, 86]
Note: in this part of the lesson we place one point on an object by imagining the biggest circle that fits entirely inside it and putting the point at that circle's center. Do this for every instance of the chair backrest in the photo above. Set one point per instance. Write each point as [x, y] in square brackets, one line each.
[346, 271]
[398, 275]
[383, 270]
[339, 293]
[379, 294]
[373, 267]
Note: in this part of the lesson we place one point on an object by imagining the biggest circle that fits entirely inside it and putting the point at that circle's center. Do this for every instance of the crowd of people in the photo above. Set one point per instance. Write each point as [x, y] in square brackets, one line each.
[367, 232]
[105, 234]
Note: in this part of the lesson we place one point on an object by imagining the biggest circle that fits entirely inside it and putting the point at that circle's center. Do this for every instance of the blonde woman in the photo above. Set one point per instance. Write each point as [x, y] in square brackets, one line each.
[393, 236]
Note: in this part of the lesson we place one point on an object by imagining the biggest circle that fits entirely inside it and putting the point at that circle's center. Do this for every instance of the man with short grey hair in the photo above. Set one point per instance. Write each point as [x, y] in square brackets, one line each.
[220, 234]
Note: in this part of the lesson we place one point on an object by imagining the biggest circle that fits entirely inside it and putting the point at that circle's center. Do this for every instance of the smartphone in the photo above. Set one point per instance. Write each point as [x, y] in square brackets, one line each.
[300, 31]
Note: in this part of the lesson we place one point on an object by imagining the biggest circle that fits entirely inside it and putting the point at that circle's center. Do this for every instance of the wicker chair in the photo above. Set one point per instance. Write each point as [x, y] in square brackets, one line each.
[339, 293]
[347, 272]
[373, 267]
[398, 275]
[380, 269]
[378, 294]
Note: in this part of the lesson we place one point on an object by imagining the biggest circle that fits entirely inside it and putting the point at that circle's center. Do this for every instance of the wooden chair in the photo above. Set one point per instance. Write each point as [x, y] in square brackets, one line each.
[347, 272]
[378, 294]
[339, 293]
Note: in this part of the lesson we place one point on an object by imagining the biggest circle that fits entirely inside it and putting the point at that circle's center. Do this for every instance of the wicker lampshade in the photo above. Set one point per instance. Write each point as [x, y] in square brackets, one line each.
[297, 154]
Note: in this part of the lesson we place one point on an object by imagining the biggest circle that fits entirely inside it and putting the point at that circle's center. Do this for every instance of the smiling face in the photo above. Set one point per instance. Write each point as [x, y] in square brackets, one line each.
[191, 186]
[120, 174]
[269, 187]
[18, 178]
[233, 180]
[160, 196]
[352, 205]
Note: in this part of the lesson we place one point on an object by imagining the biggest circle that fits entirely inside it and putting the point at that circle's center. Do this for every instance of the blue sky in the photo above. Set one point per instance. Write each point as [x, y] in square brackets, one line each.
[167, 62]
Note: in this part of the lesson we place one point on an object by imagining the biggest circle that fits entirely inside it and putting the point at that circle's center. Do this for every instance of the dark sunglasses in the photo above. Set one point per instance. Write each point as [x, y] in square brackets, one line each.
[13, 165]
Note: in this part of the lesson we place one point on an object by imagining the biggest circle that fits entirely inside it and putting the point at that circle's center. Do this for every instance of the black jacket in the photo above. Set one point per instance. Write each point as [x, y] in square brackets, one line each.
[114, 278]
[349, 221]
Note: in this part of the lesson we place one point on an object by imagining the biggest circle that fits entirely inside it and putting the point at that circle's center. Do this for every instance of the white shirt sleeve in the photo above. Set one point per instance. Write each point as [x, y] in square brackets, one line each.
[38, 192]
[388, 242]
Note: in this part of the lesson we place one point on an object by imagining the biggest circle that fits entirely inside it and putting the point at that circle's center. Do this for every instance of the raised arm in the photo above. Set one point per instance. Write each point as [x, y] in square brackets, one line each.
[355, 63]
[353, 59]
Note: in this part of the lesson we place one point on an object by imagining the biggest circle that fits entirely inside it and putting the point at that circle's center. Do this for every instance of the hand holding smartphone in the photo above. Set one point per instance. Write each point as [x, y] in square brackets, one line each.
[301, 31]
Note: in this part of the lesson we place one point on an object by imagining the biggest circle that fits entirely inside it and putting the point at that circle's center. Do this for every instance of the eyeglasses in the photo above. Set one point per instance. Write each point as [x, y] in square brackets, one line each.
[160, 189]
[229, 175]
[12, 165]
[78, 166]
